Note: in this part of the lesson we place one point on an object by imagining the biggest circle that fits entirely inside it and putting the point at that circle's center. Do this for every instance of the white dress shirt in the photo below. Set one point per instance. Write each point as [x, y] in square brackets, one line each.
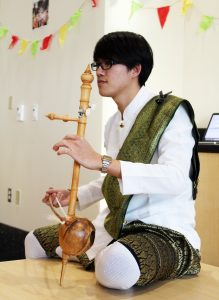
[162, 190]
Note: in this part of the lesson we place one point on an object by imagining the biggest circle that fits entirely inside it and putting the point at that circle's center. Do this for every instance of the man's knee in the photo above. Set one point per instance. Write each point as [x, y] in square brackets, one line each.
[116, 267]
[33, 249]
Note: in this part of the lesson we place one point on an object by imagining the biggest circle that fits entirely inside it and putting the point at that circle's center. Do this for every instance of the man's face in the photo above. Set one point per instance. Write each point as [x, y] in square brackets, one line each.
[114, 81]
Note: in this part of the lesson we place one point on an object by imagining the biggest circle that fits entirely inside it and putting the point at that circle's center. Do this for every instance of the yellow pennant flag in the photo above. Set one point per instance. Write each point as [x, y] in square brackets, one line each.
[186, 5]
[23, 46]
[62, 34]
[206, 22]
[135, 6]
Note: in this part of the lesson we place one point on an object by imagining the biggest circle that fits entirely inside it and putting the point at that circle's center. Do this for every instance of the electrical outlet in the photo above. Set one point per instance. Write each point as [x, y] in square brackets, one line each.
[10, 102]
[20, 113]
[35, 112]
[9, 195]
[18, 197]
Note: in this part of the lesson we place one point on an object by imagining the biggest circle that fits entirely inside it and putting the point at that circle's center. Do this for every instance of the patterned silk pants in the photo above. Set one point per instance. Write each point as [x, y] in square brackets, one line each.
[161, 253]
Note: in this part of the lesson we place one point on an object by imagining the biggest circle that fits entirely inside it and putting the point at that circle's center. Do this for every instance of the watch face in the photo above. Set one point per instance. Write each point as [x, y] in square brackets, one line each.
[106, 161]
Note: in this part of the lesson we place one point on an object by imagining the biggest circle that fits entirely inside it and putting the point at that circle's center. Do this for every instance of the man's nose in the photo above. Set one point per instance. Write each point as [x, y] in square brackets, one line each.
[100, 71]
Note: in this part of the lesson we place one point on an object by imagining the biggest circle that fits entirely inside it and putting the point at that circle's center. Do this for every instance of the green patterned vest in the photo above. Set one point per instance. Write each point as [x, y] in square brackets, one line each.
[139, 146]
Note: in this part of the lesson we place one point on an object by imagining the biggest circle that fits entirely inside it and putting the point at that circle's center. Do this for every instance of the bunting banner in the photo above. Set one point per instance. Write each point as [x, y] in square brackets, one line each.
[94, 3]
[162, 14]
[75, 19]
[34, 47]
[23, 46]
[14, 40]
[135, 6]
[186, 5]
[3, 32]
[63, 34]
[206, 22]
[46, 42]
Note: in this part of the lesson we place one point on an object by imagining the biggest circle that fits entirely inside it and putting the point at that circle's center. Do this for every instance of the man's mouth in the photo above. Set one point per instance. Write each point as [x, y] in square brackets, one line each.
[101, 82]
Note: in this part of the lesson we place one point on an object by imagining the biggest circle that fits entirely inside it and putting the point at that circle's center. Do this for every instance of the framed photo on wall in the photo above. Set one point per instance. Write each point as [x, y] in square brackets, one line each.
[40, 13]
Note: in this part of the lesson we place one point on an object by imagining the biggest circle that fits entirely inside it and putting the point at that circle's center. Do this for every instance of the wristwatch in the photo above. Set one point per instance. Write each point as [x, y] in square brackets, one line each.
[106, 161]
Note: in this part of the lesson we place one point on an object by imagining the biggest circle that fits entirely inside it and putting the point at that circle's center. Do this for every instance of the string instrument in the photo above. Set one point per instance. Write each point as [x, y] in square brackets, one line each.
[76, 235]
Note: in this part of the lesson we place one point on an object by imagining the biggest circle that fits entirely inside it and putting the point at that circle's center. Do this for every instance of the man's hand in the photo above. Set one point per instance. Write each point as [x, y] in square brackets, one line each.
[80, 150]
[62, 195]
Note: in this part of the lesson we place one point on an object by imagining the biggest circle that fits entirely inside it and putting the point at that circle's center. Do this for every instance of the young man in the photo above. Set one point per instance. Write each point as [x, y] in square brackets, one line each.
[147, 232]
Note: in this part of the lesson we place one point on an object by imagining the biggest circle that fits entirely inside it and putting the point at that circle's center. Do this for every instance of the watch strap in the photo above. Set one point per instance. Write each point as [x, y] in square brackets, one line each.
[106, 161]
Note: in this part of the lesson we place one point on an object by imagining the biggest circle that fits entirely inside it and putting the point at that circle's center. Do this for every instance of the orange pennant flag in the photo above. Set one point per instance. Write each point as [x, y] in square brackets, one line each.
[162, 14]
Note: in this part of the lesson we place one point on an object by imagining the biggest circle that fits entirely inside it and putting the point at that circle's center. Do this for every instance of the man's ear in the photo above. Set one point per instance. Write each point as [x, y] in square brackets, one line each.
[136, 70]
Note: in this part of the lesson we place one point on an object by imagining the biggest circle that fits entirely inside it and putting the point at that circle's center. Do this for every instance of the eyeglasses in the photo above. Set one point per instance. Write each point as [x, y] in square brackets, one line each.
[105, 64]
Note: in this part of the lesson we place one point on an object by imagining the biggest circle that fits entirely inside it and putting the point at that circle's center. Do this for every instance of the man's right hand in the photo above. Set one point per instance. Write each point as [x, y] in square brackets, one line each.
[62, 195]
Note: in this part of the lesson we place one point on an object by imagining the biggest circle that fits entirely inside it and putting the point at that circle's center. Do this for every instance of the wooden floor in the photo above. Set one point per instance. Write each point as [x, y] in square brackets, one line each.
[39, 280]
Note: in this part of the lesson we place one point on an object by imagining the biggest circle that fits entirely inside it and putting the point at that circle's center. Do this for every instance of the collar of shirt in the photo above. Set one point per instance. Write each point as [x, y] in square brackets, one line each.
[138, 102]
[114, 134]
[132, 110]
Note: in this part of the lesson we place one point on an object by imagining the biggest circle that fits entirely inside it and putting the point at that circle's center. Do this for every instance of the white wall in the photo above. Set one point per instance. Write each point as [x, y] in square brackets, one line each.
[201, 62]
[186, 62]
[167, 44]
[51, 79]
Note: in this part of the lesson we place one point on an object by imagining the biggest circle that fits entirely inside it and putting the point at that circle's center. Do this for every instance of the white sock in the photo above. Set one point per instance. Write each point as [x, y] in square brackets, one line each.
[116, 267]
[59, 253]
[33, 249]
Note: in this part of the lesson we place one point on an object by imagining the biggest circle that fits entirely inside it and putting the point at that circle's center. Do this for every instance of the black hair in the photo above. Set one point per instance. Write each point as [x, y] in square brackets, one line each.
[127, 48]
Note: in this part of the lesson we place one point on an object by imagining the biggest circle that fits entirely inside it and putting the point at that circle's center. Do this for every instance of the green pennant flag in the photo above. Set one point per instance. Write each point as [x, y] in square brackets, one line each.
[34, 47]
[74, 20]
[206, 22]
[135, 6]
[3, 32]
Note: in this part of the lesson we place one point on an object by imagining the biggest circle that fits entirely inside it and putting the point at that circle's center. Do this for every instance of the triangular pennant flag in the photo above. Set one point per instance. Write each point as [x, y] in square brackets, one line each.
[94, 3]
[206, 22]
[34, 47]
[74, 20]
[135, 6]
[186, 5]
[162, 14]
[23, 46]
[3, 32]
[46, 42]
[14, 40]
[62, 34]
